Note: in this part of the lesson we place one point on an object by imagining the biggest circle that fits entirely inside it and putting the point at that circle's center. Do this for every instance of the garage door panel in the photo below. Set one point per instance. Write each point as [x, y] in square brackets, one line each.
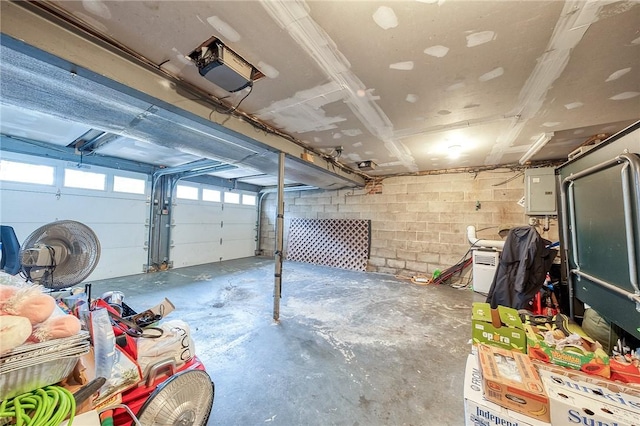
[196, 214]
[238, 250]
[239, 214]
[196, 233]
[117, 262]
[120, 236]
[195, 254]
[234, 232]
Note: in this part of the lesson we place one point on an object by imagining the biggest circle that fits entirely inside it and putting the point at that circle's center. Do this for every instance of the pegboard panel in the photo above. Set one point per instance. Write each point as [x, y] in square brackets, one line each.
[341, 243]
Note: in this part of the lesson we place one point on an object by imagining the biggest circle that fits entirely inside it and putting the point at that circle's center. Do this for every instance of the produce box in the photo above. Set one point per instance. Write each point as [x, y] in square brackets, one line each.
[591, 386]
[576, 398]
[499, 327]
[480, 412]
[625, 371]
[581, 353]
[510, 380]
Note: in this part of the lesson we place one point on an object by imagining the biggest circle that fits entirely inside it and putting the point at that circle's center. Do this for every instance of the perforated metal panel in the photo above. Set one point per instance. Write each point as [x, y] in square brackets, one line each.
[341, 243]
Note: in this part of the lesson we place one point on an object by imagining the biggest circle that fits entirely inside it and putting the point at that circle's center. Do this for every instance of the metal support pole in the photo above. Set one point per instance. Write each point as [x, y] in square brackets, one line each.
[277, 285]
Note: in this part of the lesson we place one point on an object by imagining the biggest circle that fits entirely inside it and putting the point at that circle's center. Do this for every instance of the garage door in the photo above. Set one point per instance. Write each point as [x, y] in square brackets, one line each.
[35, 191]
[211, 225]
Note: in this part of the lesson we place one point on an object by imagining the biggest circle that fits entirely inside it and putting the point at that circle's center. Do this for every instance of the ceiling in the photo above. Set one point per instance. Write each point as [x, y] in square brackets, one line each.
[414, 86]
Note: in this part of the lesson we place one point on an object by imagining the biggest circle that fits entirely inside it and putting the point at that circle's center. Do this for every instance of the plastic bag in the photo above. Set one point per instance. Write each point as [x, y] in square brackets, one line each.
[175, 342]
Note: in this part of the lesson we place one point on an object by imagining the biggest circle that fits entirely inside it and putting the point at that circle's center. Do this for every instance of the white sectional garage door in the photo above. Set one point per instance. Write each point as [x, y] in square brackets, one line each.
[201, 232]
[117, 218]
[212, 231]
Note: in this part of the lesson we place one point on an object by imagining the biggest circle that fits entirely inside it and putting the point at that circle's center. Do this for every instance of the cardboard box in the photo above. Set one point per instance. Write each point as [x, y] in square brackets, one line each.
[595, 387]
[593, 361]
[581, 405]
[499, 327]
[480, 412]
[510, 380]
[626, 372]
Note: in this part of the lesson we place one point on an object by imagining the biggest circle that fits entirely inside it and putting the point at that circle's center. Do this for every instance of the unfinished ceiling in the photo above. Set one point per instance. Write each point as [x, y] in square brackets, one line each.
[414, 86]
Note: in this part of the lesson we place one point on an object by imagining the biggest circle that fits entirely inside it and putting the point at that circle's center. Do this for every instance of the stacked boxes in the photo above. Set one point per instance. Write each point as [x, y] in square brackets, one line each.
[480, 412]
[583, 399]
[511, 381]
[503, 386]
[588, 356]
[499, 327]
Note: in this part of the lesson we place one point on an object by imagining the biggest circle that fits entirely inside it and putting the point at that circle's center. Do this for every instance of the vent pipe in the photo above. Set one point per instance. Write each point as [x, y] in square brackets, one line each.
[475, 242]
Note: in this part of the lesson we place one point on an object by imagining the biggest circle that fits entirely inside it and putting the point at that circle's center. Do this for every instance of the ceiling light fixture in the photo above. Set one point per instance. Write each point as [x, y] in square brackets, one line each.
[537, 146]
[454, 151]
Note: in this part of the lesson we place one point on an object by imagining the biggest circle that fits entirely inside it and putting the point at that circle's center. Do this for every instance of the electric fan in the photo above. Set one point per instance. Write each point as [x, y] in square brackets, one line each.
[60, 254]
[184, 399]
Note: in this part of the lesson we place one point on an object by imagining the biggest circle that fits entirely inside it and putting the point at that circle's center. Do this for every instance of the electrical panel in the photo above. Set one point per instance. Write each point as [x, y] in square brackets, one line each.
[540, 192]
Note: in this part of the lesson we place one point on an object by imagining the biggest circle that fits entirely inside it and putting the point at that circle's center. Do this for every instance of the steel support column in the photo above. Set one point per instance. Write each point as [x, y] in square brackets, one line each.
[277, 285]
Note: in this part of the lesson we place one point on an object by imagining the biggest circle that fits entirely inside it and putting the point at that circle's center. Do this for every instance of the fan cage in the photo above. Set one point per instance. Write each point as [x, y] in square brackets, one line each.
[185, 399]
[81, 252]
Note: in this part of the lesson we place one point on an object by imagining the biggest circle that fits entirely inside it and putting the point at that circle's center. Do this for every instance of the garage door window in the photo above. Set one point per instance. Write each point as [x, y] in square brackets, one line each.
[248, 200]
[187, 192]
[128, 185]
[27, 173]
[231, 198]
[85, 180]
[211, 195]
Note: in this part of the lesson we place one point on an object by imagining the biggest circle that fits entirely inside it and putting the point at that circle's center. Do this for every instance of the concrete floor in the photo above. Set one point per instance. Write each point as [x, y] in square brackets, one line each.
[351, 348]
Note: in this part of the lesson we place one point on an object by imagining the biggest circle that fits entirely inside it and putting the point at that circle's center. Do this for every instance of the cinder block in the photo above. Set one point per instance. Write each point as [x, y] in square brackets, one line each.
[477, 217]
[439, 227]
[442, 206]
[479, 195]
[419, 267]
[451, 196]
[397, 208]
[377, 261]
[398, 244]
[383, 235]
[511, 218]
[398, 264]
[406, 235]
[416, 226]
[394, 189]
[428, 257]
[323, 215]
[505, 194]
[427, 216]
[383, 252]
[406, 255]
[431, 237]
[418, 246]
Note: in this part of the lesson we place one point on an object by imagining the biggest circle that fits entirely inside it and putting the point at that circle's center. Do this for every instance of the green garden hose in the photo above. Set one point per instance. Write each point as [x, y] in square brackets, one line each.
[48, 406]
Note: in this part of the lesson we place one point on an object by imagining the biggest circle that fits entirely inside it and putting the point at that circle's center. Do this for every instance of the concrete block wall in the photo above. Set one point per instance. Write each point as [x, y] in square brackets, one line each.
[418, 223]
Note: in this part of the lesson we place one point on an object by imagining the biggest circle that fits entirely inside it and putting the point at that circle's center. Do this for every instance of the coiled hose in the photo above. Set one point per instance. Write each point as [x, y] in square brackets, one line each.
[47, 406]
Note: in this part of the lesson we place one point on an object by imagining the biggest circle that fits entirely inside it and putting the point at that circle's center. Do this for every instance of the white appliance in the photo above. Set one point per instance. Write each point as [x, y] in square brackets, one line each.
[485, 263]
